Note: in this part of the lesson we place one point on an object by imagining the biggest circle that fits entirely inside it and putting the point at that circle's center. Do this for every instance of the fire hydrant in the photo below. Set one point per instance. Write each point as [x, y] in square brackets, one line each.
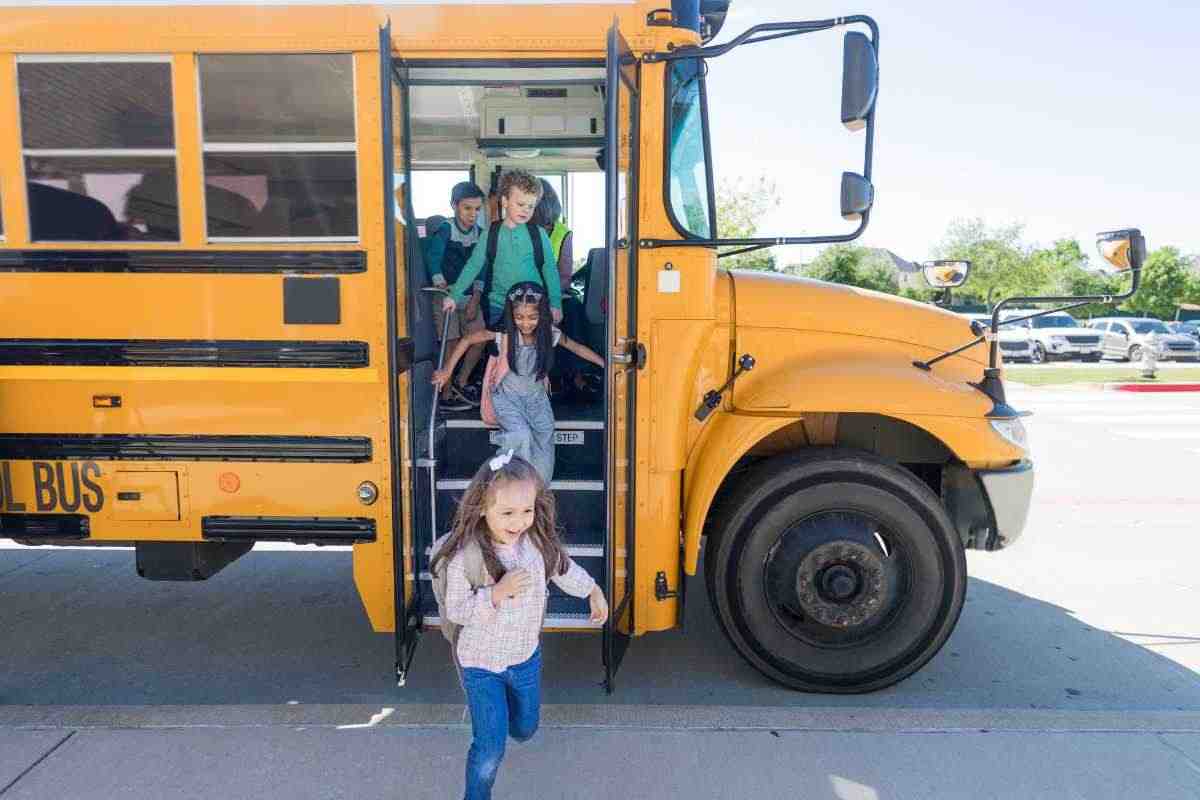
[1149, 361]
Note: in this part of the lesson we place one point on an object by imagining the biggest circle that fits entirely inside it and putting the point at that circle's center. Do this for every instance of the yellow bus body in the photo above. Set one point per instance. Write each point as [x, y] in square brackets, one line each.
[822, 350]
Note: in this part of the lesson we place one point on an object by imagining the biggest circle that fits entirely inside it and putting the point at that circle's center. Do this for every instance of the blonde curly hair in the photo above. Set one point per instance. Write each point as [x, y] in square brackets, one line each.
[520, 179]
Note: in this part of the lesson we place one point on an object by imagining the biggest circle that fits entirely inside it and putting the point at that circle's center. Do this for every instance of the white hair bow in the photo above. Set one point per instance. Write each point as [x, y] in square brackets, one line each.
[500, 460]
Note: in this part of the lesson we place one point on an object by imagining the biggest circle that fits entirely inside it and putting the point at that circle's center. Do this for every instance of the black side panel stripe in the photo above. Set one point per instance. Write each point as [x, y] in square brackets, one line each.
[180, 353]
[45, 526]
[287, 529]
[178, 447]
[235, 262]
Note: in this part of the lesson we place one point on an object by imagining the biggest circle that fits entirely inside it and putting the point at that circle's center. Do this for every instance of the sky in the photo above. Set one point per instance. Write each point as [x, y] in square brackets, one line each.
[1069, 117]
[1066, 116]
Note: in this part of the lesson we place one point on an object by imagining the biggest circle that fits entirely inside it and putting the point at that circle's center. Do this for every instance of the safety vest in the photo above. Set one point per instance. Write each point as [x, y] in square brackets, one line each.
[558, 236]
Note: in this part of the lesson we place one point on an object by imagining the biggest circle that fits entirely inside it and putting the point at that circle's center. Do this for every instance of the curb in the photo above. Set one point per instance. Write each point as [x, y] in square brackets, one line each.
[1152, 387]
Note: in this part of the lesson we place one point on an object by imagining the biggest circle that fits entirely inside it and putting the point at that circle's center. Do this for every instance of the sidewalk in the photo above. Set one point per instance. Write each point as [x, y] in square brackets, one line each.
[580, 752]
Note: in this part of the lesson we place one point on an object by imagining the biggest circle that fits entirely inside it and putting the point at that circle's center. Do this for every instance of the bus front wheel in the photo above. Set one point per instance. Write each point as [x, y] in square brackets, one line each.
[835, 571]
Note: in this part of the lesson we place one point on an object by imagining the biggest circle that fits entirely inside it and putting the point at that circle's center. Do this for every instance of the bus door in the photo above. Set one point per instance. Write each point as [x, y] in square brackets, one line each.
[404, 351]
[624, 356]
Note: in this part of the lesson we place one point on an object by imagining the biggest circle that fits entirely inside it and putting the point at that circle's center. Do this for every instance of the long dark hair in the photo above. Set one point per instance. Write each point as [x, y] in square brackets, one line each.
[470, 524]
[529, 293]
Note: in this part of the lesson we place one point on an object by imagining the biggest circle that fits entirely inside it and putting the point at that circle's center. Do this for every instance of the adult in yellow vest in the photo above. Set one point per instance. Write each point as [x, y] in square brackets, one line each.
[570, 373]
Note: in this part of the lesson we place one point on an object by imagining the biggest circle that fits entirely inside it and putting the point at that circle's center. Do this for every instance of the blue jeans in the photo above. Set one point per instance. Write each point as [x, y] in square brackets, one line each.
[502, 704]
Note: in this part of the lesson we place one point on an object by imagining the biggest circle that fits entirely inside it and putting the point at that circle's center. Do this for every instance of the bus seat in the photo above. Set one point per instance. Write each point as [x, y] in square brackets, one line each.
[595, 296]
[154, 201]
[59, 215]
[229, 213]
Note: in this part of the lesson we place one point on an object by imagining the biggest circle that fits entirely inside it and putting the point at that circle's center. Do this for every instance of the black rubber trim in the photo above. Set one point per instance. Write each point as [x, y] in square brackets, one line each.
[340, 530]
[503, 62]
[181, 353]
[243, 262]
[517, 142]
[45, 526]
[183, 447]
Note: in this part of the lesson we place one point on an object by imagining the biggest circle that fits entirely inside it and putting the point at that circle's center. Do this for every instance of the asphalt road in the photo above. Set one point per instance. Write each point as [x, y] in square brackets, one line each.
[1073, 671]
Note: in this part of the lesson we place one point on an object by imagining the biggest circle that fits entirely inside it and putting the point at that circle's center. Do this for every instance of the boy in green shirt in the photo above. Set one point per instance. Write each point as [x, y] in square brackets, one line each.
[515, 259]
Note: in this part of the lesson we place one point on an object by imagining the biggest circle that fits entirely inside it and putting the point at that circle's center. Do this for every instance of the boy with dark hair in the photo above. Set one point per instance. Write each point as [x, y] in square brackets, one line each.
[447, 247]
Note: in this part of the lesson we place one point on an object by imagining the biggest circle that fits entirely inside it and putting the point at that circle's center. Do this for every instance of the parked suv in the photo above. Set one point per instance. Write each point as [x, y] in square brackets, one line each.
[1125, 337]
[1015, 344]
[1058, 336]
[1185, 328]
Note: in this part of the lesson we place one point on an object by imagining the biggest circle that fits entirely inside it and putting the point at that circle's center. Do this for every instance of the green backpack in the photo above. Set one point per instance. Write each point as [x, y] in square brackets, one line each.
[477, 576]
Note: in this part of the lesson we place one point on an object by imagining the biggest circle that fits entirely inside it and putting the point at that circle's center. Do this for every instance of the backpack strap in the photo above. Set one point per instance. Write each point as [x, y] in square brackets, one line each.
[539, 255]
[489, 259]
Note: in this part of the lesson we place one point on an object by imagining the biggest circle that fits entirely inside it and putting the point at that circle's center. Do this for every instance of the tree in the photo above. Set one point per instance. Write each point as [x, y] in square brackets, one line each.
[1167, 281]
[999, 260]
[854, 266]
[741, 207]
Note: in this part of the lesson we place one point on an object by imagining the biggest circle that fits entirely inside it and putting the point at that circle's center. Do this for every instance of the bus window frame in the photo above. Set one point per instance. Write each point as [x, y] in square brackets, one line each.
[130, 152]
[754, 35]
[281, 148]
[710, 186]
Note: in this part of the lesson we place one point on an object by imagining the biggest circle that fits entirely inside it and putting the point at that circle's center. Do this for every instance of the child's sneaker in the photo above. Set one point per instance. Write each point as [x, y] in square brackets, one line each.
[455, 400]
[469, 393]
[452, 400]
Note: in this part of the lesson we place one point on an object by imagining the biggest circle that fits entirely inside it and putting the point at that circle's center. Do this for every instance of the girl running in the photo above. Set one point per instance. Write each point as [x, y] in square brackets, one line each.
[515, 391]
[505, 524]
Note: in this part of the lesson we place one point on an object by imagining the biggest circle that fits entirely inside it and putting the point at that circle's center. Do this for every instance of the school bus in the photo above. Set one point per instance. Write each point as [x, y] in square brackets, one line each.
[215, 330]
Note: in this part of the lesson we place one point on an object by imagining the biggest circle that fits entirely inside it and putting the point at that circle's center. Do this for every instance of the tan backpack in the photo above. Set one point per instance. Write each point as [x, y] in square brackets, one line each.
[477, 576]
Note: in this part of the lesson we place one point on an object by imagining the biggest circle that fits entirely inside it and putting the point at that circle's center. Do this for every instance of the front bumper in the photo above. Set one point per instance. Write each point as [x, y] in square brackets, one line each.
[1009, 493]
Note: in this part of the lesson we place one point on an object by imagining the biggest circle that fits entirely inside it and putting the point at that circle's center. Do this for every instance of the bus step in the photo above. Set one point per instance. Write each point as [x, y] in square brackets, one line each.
[580, 504]
[578, 453]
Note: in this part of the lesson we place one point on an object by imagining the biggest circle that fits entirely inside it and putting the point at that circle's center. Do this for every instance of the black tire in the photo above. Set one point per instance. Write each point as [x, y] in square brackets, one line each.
[1135, 353]
[1039, 355]
[795, 521]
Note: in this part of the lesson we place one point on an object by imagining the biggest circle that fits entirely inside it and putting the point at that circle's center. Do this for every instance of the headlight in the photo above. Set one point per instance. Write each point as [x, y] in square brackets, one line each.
[1058, 339]
[1012, 431]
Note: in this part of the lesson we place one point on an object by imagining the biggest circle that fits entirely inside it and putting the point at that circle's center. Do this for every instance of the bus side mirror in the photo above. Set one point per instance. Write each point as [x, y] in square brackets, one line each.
[857, 196]
[1123, 251]
[946, 274]
[860, 80]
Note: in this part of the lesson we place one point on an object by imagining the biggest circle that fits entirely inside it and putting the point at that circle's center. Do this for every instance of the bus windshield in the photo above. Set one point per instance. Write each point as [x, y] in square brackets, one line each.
[688, 175]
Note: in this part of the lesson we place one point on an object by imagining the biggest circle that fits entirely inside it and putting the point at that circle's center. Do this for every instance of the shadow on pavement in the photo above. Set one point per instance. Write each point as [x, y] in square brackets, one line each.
[78, 627]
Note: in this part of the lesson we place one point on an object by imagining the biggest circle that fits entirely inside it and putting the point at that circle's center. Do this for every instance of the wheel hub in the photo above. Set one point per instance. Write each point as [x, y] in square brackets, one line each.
[841, 584]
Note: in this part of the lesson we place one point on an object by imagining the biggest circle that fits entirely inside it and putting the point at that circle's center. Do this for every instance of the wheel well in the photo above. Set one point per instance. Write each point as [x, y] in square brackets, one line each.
[916, 450]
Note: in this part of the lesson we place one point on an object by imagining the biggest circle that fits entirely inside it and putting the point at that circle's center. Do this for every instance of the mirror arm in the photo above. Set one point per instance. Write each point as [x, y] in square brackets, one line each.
[772, 30]
[750, 249]
[774, 241]
[1073, 302]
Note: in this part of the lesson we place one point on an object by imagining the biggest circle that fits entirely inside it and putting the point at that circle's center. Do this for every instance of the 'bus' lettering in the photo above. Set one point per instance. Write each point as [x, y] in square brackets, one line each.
[66, 504]
[43, 486]
[93, 499]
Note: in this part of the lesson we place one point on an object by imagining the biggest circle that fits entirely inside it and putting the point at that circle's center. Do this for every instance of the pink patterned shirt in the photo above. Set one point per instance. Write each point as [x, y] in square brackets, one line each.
[497, 638]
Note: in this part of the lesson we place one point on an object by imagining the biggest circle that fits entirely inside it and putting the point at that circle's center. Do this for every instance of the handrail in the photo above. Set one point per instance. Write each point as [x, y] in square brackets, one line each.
[431, 462]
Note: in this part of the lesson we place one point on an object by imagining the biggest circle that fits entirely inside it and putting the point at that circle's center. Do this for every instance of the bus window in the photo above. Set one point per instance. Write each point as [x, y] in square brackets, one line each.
[431, 190]
[99, 147]
[279, 144]
[688, 188]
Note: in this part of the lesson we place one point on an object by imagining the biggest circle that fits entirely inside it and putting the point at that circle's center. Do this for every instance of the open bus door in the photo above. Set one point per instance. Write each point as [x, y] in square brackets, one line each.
[407, 600]
[624, 356]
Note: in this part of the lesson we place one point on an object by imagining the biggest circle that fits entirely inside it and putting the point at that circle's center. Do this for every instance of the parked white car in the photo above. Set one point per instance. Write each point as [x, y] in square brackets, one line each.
[1015, 344]
[1057, 336]
[1125, 337]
